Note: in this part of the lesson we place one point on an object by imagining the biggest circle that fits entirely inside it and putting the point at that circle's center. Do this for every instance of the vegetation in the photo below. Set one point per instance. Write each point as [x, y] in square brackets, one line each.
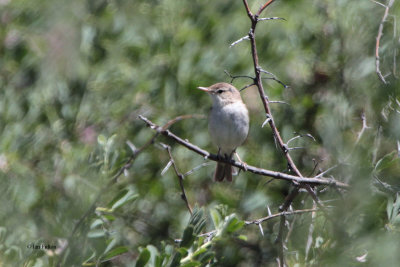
[81, 173]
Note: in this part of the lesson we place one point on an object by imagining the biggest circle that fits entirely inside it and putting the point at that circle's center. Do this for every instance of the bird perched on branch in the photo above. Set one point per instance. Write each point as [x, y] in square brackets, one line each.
[228, 124]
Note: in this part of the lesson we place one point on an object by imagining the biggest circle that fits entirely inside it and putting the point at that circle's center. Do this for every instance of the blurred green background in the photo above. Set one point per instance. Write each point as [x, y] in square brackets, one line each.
[75, 75]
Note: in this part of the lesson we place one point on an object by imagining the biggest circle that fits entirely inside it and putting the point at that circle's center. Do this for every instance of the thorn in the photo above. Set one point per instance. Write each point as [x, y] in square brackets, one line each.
[272, 18]
[261, 229]
[296, 147]
[164, 146]
[169, 164]
[279, 102]
[131, 146]
[266, 121]
[398, 148]
[240, 40]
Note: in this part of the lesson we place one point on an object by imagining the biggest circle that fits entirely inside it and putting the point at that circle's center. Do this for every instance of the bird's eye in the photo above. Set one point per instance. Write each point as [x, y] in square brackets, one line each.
[219, 91]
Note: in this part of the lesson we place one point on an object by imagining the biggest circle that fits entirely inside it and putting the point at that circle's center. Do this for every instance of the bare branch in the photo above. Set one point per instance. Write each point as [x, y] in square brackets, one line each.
[279, 240]
[246, 5]
[328, 170]
[180, 177]
[376, 2]
[283, 213]
[233, 77]
[271, 18]
[249, 168]
[279, 102]
[299, 136]
[310, 232]
[196, 168]
[247, 86]
[238, 41]
[378, 39]
[264, 7]
[274, 78]
[364, 127]
[296, 147]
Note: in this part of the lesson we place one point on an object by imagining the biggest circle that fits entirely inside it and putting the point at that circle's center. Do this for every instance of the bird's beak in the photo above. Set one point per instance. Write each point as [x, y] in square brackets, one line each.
[205, 89]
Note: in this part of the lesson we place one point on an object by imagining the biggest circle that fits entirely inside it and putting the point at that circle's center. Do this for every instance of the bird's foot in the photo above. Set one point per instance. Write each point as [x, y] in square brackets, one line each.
[244, 164]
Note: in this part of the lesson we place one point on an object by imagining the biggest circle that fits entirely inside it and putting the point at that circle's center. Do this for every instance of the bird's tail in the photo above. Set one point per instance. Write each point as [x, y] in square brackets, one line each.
[223, 171]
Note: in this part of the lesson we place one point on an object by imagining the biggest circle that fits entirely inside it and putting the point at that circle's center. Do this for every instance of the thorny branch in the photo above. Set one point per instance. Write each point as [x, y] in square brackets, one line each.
[180, 177]
[378, 39]
[249, 168]
[283, 213]
[270, 120]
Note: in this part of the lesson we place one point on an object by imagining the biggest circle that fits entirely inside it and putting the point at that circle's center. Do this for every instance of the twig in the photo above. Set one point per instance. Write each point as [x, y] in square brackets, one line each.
[258, 70]
[239, 40]
[300, 135]
[271, 18]
[279, 240]
[279, 102]
[264, 7]
[378, 3]
[378, 39]
[283, 213]
[258, 80]
[364, 127]
[180, 177]
[324, 172]
[310, 232]
[247, 86]
[249, 168]
[233, 77]
[196, 168]
[272, 78]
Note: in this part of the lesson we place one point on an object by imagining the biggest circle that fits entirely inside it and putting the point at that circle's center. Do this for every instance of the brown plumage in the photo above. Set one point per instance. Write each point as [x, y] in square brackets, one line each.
[228, 124]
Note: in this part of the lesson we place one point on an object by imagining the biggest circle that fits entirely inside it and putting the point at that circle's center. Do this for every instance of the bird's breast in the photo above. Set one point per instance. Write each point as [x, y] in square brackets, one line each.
[228, 126]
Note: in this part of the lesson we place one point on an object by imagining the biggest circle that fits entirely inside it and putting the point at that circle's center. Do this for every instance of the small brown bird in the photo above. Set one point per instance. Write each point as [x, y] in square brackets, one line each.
[228, 124]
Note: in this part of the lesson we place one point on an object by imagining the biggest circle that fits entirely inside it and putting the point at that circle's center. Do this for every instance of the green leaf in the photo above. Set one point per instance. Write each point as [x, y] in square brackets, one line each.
[232, 224]
[110, 245]
[176, 260]
[197, 220]
[235, 225]
[206, 257]
[123, 198]
[188, 237]
[199, 252]
[183, 252]
[143, 258]
[242, 237]
[386, 161]
[88, 261]
[115, 252]
[96, 223]
[216, 218]
[154, 256]
[389, 208]
[191, 264]
[96, 233]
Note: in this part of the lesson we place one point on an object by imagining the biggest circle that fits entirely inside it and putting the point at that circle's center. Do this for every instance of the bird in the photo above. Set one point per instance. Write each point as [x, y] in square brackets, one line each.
[228, 124]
